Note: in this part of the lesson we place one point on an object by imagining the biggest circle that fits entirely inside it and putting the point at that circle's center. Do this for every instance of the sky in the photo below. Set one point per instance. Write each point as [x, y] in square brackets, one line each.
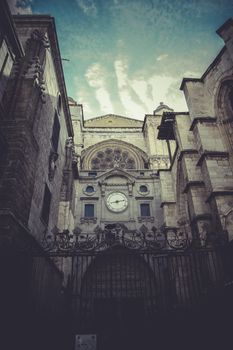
[124, 57]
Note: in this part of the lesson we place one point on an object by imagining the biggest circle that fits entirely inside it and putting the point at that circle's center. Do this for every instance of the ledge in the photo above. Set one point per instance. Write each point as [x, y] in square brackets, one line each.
[89, 198]
[193, 183]
[186, 80]
[144, 197]
[166, 203]
[202, 120]
[205, 216]
[187, 151]
[206, 154]
[219, 193]
[146, 219]
[92, 220]
[168, 228]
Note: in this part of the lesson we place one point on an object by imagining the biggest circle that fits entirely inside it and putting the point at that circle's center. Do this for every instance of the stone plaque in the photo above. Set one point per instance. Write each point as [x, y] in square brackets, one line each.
[85, 342]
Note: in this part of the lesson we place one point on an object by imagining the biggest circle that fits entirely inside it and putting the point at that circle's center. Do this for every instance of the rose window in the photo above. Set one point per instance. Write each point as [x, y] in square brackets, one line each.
[113, 158]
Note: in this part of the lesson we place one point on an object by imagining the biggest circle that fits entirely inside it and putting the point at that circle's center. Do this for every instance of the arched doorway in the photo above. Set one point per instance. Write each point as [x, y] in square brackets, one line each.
[118, 299]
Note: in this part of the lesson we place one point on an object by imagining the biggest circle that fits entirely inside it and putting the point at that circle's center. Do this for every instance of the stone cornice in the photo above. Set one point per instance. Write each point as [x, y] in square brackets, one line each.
[163, 203]
[96, 129]
[146, 219]
[193, 184]
[216, 193]
[89, 198]
[116, 172]
[187, 151]
[205, 216]
[211, 154]
[113, 117]
[200, 119]
[144, 198]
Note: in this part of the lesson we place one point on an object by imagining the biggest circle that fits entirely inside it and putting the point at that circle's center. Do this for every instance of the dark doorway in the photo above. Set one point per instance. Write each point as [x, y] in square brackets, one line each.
[118, 293]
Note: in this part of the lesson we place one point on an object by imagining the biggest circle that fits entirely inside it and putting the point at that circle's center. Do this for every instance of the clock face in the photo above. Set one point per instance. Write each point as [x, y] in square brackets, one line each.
[117, 202]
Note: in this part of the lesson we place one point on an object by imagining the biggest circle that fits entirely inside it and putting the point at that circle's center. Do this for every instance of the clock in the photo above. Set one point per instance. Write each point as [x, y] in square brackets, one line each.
[117, 202]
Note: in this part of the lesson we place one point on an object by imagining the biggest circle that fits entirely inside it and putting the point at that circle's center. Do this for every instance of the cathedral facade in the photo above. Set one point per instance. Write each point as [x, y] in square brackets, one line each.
[112, 227]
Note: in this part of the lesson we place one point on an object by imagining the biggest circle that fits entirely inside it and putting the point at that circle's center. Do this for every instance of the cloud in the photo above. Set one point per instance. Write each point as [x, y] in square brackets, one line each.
[128, 92]
[165, 89]
[96, 77]
[162, 57]
[88, 7]
[140, 94]
[130, 100]
[20, 6]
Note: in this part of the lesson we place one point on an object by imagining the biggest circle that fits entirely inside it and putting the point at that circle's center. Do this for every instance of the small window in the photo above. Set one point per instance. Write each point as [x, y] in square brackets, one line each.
[90, 189]
[56, 132]
[46, 205]
[6, 64]
[231, 98]
[92, 173]
[59, 104]
[145, 209]
[142, 173]
[89, 210]
[143, 188]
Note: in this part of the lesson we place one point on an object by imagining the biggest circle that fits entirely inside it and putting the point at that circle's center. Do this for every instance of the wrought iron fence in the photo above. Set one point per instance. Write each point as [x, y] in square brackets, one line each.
[76, 242]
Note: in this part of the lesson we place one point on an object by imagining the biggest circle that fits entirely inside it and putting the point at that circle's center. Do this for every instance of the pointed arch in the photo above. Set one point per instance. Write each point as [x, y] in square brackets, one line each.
[224, 111]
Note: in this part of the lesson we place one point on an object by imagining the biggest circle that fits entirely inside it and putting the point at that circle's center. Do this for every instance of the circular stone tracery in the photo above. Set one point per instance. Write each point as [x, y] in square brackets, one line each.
[113, 157]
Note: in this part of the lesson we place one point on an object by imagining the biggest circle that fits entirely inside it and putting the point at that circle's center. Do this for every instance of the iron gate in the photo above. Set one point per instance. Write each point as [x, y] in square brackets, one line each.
[119, 293]
[133, 288]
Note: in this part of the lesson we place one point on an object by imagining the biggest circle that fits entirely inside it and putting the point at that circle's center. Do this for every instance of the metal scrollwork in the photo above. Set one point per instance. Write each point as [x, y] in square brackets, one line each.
[100, 240]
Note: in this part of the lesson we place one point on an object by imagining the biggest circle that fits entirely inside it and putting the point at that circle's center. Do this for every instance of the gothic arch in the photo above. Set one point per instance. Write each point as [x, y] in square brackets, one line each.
[113, 153]
[125, 268]
[224, 111]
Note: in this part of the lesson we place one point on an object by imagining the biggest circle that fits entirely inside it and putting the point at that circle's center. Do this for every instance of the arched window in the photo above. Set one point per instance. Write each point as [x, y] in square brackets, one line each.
[225, 113]
[112, 154]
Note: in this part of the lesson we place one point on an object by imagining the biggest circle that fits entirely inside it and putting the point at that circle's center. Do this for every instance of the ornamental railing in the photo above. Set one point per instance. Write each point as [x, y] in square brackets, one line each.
[77, 242]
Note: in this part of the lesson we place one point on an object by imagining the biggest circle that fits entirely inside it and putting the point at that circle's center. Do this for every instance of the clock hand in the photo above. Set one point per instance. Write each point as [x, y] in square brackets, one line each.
[117, 201]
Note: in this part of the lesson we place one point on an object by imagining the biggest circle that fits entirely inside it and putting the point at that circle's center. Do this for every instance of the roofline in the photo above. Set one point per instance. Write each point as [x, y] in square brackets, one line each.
[11, 27]
[111, 114]
[225, 25]
[52, 33]
[212, 64]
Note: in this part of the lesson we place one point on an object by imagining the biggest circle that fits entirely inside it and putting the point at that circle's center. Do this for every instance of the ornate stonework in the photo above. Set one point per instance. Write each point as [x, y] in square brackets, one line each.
[113, 154]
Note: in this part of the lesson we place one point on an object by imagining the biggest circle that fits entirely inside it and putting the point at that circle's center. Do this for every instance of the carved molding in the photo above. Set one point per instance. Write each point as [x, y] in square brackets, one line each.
[86, 220]
[159, 161]
[146, 219]
[34, 71]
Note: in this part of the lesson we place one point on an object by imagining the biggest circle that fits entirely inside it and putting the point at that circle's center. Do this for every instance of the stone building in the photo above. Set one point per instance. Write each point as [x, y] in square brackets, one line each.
[113, 227]
[161, 187]
[35, 179]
